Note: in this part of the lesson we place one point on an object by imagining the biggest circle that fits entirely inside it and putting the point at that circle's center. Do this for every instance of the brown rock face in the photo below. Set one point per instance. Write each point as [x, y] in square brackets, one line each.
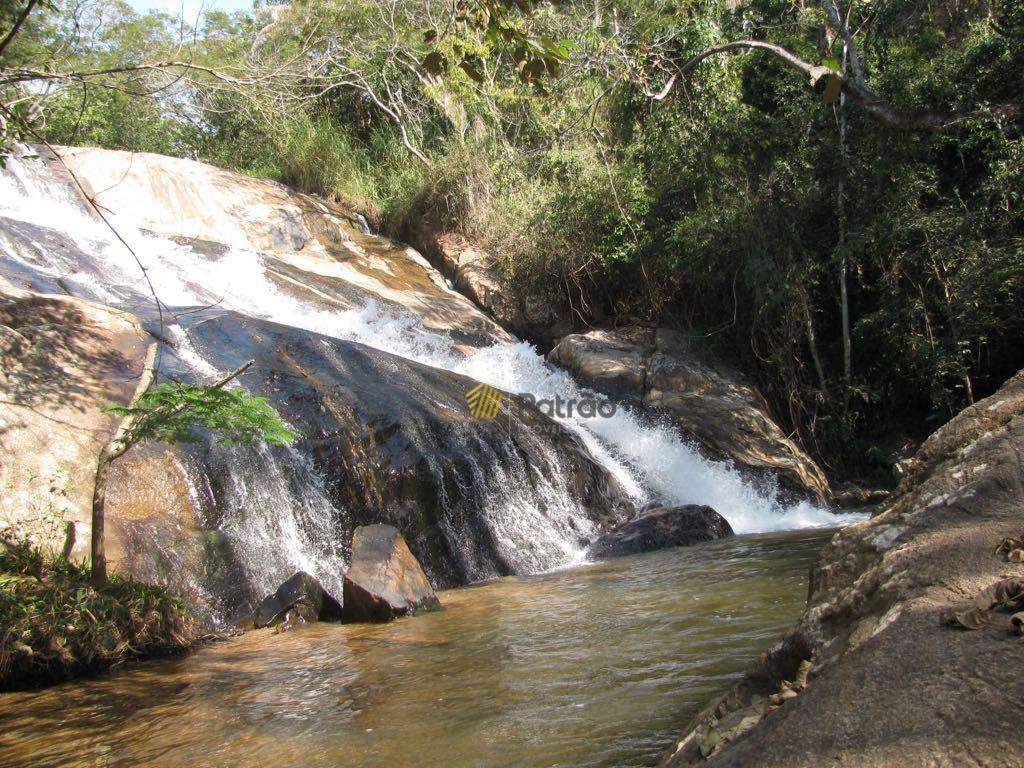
[725, 415]
[384, 581]
[660, 528]
[63, 361]
[890, 684]
[477, 275]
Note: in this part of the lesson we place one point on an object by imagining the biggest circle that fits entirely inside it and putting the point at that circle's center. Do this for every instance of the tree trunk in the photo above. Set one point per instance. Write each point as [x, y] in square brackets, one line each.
[98, 574]
[841, 205]
[117, 446]
[812, 342]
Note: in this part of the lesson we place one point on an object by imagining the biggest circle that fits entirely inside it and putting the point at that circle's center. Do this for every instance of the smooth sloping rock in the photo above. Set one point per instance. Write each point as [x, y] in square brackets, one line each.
[724, 414]
[660, 528]
[310, 248]
[384, 581]
[63, 361]
[891, 684]
[301, 594]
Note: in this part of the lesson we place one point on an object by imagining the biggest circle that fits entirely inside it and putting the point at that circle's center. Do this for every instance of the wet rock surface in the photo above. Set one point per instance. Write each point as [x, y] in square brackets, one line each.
[661, 528]
[714, 406]
[385, 580]
[301, 599]
[891, 682]
[396, 443]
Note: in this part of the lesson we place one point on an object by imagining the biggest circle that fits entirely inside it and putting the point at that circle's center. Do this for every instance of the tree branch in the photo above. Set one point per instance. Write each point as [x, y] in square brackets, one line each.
[877, 108]
[17, 25]
[124, 440]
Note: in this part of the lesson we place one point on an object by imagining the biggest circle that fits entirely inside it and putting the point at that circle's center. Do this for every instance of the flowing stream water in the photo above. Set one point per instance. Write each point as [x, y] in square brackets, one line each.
[598, 666]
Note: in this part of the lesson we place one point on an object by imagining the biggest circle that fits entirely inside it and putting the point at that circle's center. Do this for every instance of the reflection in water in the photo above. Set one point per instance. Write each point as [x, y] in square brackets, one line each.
[598, 666]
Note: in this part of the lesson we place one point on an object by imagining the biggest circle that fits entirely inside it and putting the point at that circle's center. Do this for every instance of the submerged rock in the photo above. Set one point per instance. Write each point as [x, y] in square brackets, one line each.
[385, 580]
[713, 405]
[660, 528]
[303, 597]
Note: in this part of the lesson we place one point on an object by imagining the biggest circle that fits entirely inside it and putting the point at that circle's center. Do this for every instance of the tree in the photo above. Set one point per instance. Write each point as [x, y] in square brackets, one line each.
[172, 412]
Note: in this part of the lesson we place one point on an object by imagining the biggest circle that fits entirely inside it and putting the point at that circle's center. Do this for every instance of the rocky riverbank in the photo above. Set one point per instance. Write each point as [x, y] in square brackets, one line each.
[890, 681]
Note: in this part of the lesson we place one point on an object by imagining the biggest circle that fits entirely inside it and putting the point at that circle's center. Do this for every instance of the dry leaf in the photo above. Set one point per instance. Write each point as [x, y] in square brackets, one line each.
[782, 696]
[1007, 595]
[971, 618]
[800, 681]
[1013, 549]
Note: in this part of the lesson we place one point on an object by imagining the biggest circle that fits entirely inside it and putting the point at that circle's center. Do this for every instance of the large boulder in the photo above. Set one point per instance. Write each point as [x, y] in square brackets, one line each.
[477, 274]
[395, 442]
[713, 405]
[385, 580]
[301, 599]
[890, 682]
[660, 528]
[63, 362]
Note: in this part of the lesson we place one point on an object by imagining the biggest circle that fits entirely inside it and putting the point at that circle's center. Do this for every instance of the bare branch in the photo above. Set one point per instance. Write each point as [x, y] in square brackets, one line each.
[17, 25]
[877, 108]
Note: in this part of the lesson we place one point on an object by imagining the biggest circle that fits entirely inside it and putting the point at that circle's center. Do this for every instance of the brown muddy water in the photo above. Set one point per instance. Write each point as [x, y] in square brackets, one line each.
[597, 666]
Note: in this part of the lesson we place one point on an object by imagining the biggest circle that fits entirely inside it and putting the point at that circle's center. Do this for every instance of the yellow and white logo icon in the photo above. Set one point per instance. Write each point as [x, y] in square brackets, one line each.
[484, 401]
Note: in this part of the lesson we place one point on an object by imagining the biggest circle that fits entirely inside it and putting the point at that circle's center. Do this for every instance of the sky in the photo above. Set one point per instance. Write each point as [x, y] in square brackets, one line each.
[191, 7]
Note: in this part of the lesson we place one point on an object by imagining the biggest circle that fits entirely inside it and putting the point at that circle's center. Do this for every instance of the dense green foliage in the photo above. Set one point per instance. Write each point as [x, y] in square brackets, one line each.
[729, 209]
[54, 625]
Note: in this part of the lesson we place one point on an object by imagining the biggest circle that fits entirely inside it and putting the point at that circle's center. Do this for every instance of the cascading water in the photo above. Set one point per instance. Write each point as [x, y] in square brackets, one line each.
[285, 506]
[269, 539]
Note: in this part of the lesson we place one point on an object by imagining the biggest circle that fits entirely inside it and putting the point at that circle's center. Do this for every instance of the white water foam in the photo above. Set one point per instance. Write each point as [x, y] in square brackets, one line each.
[651, 462]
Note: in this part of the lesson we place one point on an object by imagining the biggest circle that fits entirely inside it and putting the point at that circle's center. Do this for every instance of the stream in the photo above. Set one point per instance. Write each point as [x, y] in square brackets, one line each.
[600, 665]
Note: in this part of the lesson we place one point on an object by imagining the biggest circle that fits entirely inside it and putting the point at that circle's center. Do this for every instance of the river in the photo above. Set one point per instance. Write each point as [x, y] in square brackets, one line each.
[600, 665]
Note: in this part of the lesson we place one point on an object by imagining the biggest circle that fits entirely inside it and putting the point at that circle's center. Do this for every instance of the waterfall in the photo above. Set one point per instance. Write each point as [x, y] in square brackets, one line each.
[276, 515]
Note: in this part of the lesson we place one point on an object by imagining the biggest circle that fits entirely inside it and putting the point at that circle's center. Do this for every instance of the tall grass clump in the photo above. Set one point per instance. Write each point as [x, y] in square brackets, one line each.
[54, 625]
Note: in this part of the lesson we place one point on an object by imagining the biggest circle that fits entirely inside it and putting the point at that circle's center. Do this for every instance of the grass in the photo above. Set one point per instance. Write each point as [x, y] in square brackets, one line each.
[55, 626]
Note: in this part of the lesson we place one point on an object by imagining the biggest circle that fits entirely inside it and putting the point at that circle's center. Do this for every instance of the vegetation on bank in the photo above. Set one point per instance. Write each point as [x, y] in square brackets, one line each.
[54, 625]
[869, 274]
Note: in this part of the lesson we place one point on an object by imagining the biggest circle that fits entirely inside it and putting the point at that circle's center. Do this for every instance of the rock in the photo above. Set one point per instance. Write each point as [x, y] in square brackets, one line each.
[613, 362]
[384, 581]
[478, 276]
[852, 496]
[63, 361]
[396, 443]
[890, 684]
[660, 528]
[301, 595]
[310, 247]
[716, 407]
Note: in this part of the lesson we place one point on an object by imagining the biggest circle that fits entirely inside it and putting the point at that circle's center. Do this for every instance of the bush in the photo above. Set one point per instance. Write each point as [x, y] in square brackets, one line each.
[54, 625]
